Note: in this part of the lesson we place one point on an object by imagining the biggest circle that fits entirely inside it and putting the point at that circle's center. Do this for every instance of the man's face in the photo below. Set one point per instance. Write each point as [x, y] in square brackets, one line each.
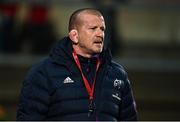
[91, 34]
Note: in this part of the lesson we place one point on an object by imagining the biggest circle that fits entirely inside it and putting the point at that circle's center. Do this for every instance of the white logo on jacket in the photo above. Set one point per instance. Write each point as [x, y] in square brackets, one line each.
[116, 96]
[117, 83]
[68, 80]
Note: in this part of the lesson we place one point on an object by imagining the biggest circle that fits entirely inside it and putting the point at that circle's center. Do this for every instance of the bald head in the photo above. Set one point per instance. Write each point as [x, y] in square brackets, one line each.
[76, 17]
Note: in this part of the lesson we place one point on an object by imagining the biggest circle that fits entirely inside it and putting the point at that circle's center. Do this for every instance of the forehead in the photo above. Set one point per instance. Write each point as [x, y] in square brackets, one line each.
[89, 18]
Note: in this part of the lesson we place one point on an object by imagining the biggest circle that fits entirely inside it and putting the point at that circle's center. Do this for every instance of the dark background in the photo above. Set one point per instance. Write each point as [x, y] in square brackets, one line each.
[144, 36]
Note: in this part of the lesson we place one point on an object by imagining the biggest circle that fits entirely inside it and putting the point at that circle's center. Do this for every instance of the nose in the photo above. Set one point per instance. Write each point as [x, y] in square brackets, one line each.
[100, 33]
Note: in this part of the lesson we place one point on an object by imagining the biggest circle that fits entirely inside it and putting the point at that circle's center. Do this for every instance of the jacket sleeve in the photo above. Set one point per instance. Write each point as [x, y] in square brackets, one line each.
[34, 97]
[128, 107]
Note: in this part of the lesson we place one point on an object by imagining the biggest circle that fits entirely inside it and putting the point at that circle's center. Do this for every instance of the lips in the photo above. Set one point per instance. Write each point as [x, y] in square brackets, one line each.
[98, 41]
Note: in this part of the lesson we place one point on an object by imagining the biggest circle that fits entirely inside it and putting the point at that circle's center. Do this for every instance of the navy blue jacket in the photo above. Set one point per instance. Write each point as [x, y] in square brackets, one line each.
[54, 90]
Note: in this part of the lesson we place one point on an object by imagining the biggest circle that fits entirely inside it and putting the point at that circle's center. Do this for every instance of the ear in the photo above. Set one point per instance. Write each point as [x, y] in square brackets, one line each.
[73, 35]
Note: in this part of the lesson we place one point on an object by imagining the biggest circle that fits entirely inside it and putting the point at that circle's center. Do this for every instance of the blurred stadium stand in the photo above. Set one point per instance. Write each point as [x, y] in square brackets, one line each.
[148, 35]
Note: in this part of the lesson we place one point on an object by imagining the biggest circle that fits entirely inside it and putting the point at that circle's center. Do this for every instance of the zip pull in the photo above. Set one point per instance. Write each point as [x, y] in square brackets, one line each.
[91, 107]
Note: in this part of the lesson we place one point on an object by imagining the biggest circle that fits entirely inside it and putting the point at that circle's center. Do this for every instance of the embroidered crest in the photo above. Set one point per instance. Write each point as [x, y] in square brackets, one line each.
[117, 83]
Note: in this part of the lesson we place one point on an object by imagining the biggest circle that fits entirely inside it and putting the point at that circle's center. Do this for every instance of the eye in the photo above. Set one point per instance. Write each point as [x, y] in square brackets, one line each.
[102, 28]
[93, 28]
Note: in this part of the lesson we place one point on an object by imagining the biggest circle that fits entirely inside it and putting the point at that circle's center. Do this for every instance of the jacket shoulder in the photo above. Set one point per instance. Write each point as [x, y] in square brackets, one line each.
[34, 92]
[118, 68]
[38, 68]
[38, 76]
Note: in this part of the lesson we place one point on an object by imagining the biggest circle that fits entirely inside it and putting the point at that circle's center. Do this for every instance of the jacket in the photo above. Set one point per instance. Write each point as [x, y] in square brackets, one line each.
[54, 90]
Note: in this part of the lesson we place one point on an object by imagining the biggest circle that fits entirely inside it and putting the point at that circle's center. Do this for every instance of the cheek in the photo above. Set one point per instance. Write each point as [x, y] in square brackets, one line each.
[86, 38]
[88, 42]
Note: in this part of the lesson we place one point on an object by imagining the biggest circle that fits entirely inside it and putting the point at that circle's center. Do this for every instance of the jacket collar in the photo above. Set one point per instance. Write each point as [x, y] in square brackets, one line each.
[61, 53]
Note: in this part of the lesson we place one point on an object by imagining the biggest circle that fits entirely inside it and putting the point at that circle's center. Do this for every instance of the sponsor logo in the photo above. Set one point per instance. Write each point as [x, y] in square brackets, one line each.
[116, 96]
[117, 83]
[68, 80]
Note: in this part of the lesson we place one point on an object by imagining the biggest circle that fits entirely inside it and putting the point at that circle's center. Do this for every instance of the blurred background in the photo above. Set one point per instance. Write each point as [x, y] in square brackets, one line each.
[144, 36]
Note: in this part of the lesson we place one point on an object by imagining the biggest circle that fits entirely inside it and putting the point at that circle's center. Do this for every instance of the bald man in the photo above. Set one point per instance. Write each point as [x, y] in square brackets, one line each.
[78, 81]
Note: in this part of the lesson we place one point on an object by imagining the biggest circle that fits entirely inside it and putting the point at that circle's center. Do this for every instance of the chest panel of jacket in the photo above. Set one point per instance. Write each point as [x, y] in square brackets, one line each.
[110, 95]
[71, 97]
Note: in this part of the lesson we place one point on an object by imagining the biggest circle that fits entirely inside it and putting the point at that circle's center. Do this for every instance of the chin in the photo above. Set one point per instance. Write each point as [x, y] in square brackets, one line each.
[98, 51]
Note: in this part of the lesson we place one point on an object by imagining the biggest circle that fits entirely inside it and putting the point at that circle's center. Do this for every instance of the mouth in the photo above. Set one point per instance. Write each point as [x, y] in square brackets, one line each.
[98, 42]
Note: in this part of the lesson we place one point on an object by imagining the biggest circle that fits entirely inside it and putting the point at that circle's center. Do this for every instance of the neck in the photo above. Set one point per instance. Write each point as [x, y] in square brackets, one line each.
[81, 52]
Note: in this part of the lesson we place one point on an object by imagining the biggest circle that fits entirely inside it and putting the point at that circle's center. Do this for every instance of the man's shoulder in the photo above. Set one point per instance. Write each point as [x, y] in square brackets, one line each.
[38, 67]
[118, 69]
[117, 66]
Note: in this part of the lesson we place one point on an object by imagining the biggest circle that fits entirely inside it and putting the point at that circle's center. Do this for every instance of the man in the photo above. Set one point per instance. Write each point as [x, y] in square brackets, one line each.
[79, 80]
